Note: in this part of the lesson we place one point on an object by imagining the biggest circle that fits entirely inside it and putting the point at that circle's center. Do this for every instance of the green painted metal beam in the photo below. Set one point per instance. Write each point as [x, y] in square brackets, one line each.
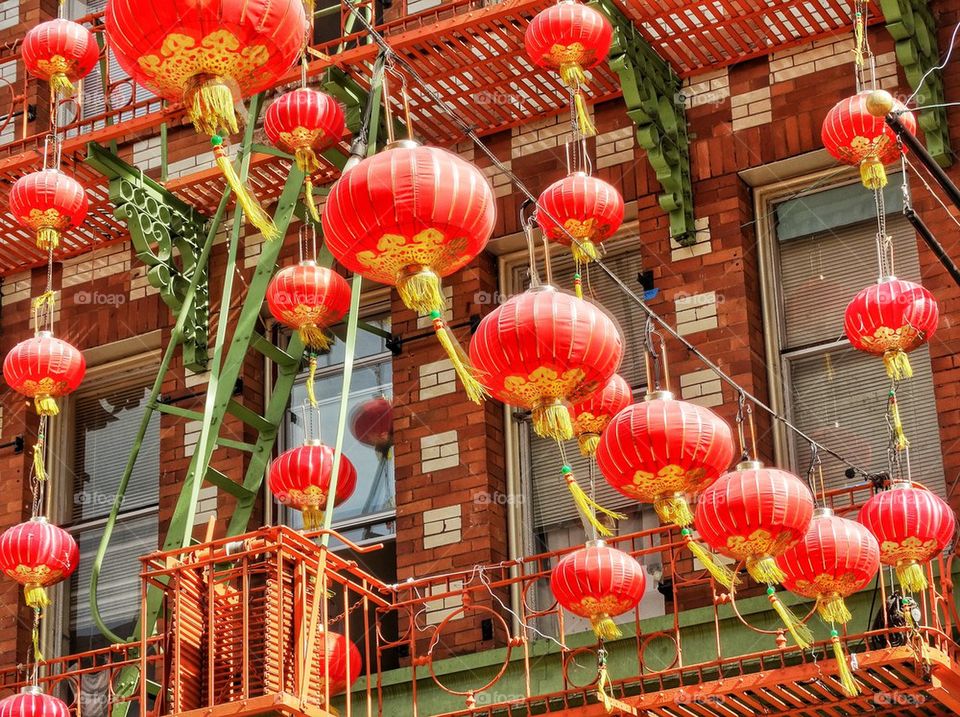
[914, 30]
[652, 93]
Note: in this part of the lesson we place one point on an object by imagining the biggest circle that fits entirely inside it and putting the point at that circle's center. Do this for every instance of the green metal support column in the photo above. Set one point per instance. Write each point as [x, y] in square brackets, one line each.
[652, 93]
[914, 30]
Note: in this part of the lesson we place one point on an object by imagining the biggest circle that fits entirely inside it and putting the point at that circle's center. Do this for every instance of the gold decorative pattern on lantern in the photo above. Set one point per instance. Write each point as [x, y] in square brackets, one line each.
[57, 64]
[607, 605]
[302, 315]
[44, 387]
[669, 479]
[429, 248]
[39, 575]
[827, 585]
[220, 53]
[311, 497]
[581, 230]
[302, 137]
[543, 385]
[759, 543]
[572, 54]
[911, 548]
[888, 339]
[586, 422]
[45, 219]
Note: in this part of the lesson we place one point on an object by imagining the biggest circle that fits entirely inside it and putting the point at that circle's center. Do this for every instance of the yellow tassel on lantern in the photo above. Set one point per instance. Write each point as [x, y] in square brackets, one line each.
[911, 576]
[844, 674]
[587, 506]
[36, 596]
[46, 405]
[765, 570]
[311, 204]
[461, 362]
[419, 289]
[674, 509]
[311, 392]
[604, 627]
[898, 365]
[255, 213]
[873, 174]
[588, 443]
[900, 441]
[312, 518]
[308, 163]
[832, 608]
[587, 128]
[61, 85]
[721, 573]
[314, 337]
[578, 285]
[584, 252]
[552, 420]
[211, 105]
[39, 470]
[801, 634]
[48, 238]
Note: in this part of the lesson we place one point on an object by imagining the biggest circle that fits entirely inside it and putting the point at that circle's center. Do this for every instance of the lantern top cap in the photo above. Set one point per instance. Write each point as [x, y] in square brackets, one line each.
[44, 335]
[313, 442]
[900, 485]
[823, 512]
[39, 519]
[403, 144]
[308, 262]
[658, 396]
[887, 279]
[32, 690]
[596, 544]
[749, 465]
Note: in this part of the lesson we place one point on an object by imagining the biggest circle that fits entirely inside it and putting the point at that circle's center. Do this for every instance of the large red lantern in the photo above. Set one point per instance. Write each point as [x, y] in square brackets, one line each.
[305, 122]
[372, 423]
[340, 662]
[662, 449]
[913, 526]
[310, 299]
[37, 554]
[856, 133]
[753, 514]
[544, 350]
[44, 368]
[60, 52]
[890, 319]
[301, 478]
[32, 702]
[598, 582]
[591, 417]
[210, 55]
[49, 203]
[584, 207]
[834, 559]
[569, 38]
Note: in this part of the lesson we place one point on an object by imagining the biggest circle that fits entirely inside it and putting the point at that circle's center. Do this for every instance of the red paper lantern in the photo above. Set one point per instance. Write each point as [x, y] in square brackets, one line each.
[912, 525]
[581, 206]
[753, 514]
[856, 133]
[372, 423]
[591, 417]
[310, 299]
[305, 122]
[37, 554]
[44, 368]
[543, 350]
[32, 702]
[598, 582]
[60, 52]
[49, 203]
[890, 319]
[335, 652]
[301, 477]
[660, 450]
[834, 559]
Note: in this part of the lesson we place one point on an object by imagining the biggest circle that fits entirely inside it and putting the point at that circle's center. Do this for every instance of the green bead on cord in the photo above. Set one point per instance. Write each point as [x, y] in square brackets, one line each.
[434, 314]
[566, 470]
[686, 532]
[834, 633]
[771, 590]
[216, 140]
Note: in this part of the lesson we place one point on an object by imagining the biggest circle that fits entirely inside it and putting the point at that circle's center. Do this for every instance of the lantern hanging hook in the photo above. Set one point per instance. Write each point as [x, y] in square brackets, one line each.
[740, 418]
[655, 356]
[529, 223]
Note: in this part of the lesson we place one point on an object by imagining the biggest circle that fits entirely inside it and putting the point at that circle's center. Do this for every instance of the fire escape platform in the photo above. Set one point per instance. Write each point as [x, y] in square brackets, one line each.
[280, 703]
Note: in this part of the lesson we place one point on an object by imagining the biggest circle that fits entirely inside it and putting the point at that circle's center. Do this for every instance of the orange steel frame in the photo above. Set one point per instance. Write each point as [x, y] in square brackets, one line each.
[246, 648]
[471, 51]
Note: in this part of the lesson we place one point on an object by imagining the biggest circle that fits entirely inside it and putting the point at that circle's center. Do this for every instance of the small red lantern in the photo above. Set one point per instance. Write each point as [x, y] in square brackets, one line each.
[856, 133]
[372, 423]
[753, 514]
[544, 349]
[569, 38]
[890, 319]
[913, 526]
[305, 122]
[37, 554]
[834, 559]
[48, 202]
[339, 662]
[598, 582]
[592, 416]
[44, 368]
[310, 299]
[584, 207]
[660, 450]
[32, 702]
[60, 52]
[301, 477]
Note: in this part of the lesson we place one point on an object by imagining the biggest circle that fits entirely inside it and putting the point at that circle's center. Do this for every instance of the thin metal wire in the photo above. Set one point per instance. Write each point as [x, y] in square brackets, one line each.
[935, 68]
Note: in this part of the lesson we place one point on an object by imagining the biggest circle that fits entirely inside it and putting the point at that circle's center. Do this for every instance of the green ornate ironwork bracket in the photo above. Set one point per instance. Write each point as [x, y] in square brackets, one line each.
[652, 93]
[914, 30]
[168, 236]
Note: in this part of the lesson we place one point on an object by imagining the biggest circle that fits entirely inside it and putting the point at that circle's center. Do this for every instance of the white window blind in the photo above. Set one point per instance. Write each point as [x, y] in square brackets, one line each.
[836, 394]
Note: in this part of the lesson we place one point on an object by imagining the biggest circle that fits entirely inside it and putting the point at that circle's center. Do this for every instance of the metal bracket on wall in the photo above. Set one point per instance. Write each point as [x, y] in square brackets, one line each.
[162, 227]
[652, 93]
[914, 30]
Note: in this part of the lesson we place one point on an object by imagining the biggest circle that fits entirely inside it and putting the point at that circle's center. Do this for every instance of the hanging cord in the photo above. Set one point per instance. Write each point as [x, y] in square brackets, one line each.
[936, 68]
[739, 419]
[587, 507]
[470, 132]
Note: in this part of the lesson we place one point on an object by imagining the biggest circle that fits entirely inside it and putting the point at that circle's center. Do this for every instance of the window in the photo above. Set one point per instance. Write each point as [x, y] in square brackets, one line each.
[823, 253]
[99, 426]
